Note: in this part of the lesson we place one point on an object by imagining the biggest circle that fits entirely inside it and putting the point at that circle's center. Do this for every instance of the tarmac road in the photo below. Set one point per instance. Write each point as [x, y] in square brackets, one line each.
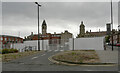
[40, 62]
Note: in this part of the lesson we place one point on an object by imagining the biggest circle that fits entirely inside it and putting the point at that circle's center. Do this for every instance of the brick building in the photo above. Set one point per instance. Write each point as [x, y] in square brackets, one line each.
[96, 34]
[116, 37]
[6, 41]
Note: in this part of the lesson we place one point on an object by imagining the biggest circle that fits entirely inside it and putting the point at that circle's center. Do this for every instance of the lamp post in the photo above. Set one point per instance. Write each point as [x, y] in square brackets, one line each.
[112, 24]
[38, 26]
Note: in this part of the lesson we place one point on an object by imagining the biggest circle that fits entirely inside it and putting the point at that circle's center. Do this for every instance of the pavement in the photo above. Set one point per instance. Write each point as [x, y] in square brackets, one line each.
[0, 67]
[108, 56]
[40, 62]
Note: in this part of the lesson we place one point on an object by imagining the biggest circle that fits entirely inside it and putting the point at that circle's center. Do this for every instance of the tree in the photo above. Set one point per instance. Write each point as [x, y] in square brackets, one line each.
[107, 39]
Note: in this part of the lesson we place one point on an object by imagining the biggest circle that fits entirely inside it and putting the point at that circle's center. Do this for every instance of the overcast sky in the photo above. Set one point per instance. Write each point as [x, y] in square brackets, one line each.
[22, 16]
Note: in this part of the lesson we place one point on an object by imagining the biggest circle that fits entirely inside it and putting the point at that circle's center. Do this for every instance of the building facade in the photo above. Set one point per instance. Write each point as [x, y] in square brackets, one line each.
[7, 41]
[116, 37]
[65, 37]
[53, 38]
[89, 34]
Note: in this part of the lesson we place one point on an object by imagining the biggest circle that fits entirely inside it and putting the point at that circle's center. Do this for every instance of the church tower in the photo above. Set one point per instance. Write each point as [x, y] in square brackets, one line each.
[44, 27]
[82, 28]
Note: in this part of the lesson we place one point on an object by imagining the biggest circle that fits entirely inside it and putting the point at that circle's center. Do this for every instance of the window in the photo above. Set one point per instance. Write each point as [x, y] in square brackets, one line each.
[19, 40]
[1, 38]
[5, 39]
[9, 39]
[16, 39]
[12, 39]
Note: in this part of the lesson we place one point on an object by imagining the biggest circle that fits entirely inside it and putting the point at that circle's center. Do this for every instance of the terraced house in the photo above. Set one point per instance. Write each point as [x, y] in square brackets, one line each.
[7, 41]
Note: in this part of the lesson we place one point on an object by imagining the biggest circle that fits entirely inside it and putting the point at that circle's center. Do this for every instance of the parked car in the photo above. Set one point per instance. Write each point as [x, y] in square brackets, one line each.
[118, 44]
[108, 44]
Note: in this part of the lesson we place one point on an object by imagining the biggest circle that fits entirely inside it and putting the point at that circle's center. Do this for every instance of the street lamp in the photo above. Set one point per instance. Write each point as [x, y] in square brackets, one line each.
[112, 24]
[38, 26]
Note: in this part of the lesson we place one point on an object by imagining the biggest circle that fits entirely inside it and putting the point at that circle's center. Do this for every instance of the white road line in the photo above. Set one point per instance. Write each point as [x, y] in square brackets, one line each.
[34, 58]
[56, 50]
[61, 50]
[43, 54]
[21, 63]
[88, 70]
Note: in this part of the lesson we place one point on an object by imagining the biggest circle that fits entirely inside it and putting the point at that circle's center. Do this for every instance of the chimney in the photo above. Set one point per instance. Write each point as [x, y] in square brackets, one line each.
[90, 30]
[31, 33]
[54, 32]
[25, 37]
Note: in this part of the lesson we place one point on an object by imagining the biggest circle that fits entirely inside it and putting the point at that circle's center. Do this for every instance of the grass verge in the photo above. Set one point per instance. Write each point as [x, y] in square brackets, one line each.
[13, 56]
[78, 56]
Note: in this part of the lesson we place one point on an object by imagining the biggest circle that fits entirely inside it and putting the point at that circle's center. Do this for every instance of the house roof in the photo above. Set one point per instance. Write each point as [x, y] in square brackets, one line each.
[9, 36]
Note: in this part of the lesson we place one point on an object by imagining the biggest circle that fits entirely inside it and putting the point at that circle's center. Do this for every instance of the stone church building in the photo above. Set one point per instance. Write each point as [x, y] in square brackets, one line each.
[56, 38]
[82, 32]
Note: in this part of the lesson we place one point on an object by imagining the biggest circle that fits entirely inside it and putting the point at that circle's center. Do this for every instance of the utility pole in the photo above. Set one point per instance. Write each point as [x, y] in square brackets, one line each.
[118, 33]
[73, 43]
[38, 26]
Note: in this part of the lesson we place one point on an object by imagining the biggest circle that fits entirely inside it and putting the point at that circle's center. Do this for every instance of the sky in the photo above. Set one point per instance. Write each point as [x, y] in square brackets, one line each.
[20, 18]
[0, 17]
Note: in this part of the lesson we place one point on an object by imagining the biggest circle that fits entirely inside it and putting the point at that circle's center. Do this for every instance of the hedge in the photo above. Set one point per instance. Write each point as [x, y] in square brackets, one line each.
[5, 51]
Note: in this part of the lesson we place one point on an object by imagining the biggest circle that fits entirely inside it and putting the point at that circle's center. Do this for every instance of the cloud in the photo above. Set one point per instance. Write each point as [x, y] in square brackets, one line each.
[0, 17]
[60, 16]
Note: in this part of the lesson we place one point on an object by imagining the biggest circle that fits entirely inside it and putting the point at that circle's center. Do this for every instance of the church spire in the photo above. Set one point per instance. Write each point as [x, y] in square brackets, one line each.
[81, 22]
[44, 27]
[44, 23]
[82, 28]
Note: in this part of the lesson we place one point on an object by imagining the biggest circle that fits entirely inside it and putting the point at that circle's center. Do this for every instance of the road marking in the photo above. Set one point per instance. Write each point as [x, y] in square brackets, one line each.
[61, 50]
[21, 63]
[34, 57]
[88, 70]
[56, 50]
[43, 54]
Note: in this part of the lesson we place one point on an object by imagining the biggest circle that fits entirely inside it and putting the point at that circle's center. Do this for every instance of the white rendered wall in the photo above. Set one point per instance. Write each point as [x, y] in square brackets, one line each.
[92, 43]
[18, 46]
[44, 44]
[33, 44]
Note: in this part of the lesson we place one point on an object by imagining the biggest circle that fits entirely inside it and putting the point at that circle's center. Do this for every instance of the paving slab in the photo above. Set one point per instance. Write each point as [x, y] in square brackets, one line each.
[108, 56]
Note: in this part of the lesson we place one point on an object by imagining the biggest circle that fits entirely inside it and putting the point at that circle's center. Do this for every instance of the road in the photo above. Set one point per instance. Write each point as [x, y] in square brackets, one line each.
[40, 62]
